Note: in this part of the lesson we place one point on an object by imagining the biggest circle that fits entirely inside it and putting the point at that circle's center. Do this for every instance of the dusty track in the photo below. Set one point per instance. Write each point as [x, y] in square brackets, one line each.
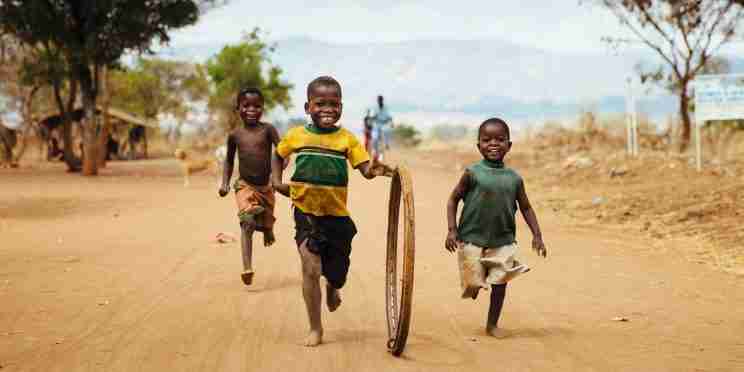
[119, 273]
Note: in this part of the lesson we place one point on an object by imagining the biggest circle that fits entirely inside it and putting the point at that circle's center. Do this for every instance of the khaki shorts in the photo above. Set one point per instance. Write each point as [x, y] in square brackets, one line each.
[481, 267]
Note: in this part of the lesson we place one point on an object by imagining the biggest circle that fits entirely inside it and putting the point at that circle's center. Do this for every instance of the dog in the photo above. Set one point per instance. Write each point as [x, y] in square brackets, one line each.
[191, 165]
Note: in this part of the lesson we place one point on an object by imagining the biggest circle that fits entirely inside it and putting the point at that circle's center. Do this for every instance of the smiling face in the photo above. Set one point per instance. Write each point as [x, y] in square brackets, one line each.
[250, 108]
[493, 142]
[324, 105]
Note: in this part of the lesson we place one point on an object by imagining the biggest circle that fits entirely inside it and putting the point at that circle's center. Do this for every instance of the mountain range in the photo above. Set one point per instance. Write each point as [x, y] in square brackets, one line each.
[428, 82]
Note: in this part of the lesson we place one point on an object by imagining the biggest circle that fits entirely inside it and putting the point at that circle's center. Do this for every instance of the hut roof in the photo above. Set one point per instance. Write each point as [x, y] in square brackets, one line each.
[112, 112]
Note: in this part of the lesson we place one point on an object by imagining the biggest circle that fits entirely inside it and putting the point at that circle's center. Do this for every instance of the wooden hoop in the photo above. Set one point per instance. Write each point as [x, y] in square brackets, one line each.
[399, 317]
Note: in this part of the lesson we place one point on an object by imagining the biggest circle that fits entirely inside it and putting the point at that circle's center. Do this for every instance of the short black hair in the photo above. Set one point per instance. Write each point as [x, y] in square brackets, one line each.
[494, 121]
[323, 81]
[248, 90]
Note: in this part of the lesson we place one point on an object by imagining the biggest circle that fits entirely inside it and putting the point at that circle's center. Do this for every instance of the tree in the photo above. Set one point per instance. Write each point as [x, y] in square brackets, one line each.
[154, 87]
[240, 66]
[93, 34]
[685, 34]
[44, 66]
[24, 91]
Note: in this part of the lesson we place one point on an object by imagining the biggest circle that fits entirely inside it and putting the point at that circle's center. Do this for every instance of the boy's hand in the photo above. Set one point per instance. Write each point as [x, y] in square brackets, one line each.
[539, 247]
[387, 171]
[451, 243]
[282, 188]
[382, 169]
[224, 190]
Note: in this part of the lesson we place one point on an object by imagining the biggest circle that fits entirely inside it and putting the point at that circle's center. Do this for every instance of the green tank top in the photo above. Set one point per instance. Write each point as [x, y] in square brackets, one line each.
[487, 218]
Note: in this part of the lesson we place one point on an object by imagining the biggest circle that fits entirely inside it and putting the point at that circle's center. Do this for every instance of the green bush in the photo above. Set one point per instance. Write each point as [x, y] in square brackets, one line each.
[406, 135]
[451, 132]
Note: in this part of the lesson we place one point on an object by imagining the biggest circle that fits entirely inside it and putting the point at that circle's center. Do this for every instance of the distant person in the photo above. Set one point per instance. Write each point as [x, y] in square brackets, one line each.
[381, 125]
[368, 130]
[324, 229]
[485, 239]
[254, 193]
[112, 148]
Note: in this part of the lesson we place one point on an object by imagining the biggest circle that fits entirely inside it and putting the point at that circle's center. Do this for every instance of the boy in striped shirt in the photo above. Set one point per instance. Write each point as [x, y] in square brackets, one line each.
[324, 229]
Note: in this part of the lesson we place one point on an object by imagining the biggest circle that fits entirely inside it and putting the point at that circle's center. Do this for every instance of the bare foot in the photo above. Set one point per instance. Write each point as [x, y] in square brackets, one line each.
[247, 277]
[497, 332]
[314, 338]
[333, 298]
[269, 238]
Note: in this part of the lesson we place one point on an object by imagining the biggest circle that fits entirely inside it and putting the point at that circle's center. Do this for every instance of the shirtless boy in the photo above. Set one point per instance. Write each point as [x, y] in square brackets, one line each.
[253, 191]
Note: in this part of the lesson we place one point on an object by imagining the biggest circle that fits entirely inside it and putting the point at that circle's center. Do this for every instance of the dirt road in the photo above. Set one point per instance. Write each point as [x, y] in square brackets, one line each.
[119, 273]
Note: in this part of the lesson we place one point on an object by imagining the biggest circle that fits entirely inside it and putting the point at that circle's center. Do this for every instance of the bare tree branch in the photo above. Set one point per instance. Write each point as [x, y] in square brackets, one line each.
[686, 34]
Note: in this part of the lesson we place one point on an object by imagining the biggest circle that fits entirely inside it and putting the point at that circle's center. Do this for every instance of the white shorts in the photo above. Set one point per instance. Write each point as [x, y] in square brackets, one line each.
[481, 267]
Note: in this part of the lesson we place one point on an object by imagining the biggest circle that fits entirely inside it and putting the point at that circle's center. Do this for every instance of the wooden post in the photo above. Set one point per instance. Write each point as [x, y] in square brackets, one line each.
[698, 146]
[629, 121]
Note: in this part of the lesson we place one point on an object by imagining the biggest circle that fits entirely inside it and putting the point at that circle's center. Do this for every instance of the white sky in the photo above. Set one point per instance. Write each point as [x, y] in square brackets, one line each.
[560, 25]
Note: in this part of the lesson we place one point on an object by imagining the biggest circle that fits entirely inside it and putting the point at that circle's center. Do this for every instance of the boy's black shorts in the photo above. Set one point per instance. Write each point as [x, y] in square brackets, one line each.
[330, 238]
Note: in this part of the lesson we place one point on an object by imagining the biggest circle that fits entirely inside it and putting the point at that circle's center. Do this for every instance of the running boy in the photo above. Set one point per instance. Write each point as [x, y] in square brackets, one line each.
[318, 190]
[485, 236]
[253, 191]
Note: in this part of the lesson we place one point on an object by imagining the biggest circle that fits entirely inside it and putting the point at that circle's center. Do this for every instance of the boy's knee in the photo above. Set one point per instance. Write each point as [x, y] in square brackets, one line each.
[310, 270]
[311, 266]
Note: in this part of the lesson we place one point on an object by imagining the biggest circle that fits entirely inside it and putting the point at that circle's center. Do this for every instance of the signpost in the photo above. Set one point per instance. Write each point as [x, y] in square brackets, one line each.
[631, 121]
[717, 97]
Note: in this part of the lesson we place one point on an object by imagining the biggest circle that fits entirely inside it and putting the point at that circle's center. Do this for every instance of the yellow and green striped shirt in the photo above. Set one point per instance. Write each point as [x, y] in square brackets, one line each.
[319, 184]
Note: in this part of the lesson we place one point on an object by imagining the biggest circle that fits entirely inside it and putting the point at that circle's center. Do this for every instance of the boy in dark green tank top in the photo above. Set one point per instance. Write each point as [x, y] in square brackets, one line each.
[485, 236]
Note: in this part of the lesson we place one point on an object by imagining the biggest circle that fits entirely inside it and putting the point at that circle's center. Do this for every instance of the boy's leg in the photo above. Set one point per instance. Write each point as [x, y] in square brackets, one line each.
[333, 298]
[266, 219]
[498, 292]
[311, 271]
[269, 238]
[246, 245]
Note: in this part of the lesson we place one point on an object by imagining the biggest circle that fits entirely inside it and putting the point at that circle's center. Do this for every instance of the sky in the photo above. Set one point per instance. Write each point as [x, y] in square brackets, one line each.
[566, 27]
[558, 25]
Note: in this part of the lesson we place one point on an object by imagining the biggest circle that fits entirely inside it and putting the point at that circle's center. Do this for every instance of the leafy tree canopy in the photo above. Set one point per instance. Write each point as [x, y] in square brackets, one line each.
[246, 64]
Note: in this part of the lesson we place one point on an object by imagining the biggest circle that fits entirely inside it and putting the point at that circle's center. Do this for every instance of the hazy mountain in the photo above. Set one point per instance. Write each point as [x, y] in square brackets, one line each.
[444, 81]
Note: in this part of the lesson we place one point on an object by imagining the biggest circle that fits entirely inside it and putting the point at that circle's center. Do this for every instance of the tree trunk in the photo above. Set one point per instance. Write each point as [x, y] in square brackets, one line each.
[90, 123]
[73, 163]
[7, 142]
[684, 113]
[104, 136]
[144, 140]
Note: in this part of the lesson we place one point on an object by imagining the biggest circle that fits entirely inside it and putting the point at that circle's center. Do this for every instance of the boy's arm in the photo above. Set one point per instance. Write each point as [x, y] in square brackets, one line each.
[369, 172]
[531, 218]
[274, 134]
[228, 166]
[359, 158]
[277, 171]
[457, 194]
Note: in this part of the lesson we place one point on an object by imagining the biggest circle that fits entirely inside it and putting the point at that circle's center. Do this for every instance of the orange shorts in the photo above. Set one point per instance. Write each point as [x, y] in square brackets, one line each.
[255, 203]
